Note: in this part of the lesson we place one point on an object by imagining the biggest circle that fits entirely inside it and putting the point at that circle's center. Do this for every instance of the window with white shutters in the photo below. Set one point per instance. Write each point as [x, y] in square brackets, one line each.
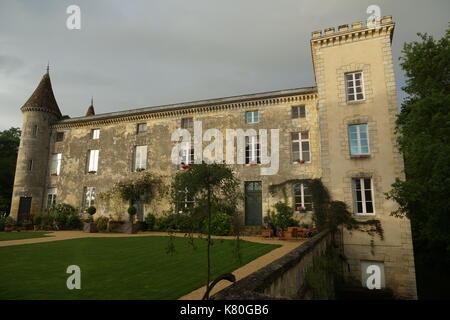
[140, 158]
[55, 167]
[93, 161]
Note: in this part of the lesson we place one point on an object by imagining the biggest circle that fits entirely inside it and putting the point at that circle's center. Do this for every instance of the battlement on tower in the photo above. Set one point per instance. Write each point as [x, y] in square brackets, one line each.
[355, 30]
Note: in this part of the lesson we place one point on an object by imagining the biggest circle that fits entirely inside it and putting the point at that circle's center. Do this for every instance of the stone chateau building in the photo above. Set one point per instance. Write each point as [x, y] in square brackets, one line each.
[341, 130]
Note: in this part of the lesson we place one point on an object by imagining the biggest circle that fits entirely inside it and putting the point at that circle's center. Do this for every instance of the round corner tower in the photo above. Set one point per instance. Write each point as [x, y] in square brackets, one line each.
[39, 112]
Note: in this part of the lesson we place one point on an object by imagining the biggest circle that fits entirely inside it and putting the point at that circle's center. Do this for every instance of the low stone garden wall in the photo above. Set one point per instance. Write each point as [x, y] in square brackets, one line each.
[281, 279]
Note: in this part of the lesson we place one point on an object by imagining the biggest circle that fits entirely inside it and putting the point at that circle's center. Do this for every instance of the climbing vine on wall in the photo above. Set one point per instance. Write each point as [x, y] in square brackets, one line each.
[330, 214]
[146, 187]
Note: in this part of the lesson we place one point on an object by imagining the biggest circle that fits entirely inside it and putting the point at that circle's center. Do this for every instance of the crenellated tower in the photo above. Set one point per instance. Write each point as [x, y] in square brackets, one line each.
[360, 160]
[39, 112]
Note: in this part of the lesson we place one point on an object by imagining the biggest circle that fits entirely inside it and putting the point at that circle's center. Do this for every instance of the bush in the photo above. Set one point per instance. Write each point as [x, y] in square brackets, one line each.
[37, 219]
[9, 222]
[91, 210]
[282, 218]
[150, 221]
[60, 217]
[46, 222]
[220, 224]
[165, 223]
[74, 222]
[132, 210]
[102, 223]
[2, 220]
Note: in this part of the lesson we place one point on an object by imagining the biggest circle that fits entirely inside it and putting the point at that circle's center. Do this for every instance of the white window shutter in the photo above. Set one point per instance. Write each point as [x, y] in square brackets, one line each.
[96, 160]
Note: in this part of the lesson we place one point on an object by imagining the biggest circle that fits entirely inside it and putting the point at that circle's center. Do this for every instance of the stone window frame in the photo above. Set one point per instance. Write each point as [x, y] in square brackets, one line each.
[95, 134]
[378, 198]
[353, 80]
[187, 123]
[299, 106]
[359, 140]
[55, 164]
[372, 132]
[53, 193]
[34, 130]
[84, 202]
[59, 136]
[364, 200]
[140, 125]
[302, 195]
[253, 111]
[342, 87]
[135, 168]
[288, 134]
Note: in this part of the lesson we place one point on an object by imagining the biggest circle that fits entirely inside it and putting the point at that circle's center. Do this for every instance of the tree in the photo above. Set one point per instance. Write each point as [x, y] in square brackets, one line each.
[212, 188]
[146, 187]
[423, 126]
[9, 145]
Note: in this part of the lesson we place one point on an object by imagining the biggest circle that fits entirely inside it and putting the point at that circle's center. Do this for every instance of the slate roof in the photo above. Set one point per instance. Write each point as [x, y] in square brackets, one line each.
[43, 98]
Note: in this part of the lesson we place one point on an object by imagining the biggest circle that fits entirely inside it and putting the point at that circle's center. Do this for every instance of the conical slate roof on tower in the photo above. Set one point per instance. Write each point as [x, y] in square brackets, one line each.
[43, 98]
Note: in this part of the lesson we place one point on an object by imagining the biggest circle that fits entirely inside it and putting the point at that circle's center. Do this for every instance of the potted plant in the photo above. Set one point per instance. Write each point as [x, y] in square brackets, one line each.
[9, 224]
[270, 224]
[90, 226]
[37, 221]
[130, 227]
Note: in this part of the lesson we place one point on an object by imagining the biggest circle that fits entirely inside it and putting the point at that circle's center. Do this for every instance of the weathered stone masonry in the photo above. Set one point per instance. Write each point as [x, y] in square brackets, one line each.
[354, 48]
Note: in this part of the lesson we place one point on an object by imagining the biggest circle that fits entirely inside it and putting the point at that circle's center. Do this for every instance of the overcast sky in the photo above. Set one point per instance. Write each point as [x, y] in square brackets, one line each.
[131, 54]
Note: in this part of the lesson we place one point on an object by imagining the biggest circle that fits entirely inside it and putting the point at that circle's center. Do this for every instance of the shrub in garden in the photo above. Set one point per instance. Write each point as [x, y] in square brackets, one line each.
[220, 224]
[164, 223]
[59, 217]
[132, 210]
[9, 222]
[37, 220]
[102, 223]
[74, 222]
[91, 210]
[150, 221]
[282, 218]
[2, 220]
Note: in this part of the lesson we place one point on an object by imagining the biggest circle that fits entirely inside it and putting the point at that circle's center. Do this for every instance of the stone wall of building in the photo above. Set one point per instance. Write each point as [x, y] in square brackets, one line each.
[118, 138]
[369, 51]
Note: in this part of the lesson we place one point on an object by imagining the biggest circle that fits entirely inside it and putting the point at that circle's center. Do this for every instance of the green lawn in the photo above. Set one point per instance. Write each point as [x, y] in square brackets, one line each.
[4, 236]
[116, 268]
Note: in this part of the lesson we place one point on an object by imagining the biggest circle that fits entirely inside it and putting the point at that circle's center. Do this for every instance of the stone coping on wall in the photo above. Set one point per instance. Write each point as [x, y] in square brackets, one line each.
[252, 287]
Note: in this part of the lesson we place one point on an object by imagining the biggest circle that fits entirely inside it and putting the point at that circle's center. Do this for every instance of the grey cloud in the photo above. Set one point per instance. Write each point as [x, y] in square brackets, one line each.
[140, 53]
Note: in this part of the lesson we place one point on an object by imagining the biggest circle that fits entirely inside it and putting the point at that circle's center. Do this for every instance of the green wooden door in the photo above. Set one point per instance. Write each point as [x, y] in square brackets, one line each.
[253, 203]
